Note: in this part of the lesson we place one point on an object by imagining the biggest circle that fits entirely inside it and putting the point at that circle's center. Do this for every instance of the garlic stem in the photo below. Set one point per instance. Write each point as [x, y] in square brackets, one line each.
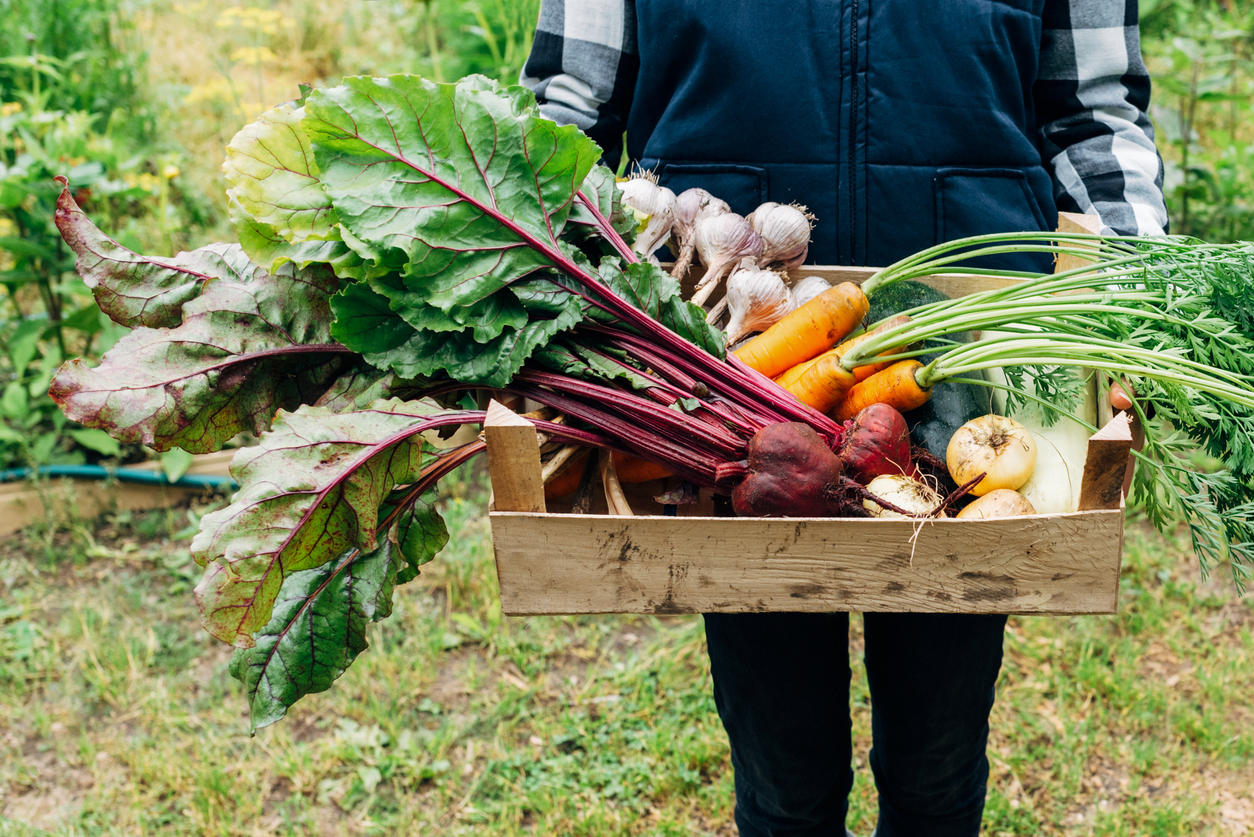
[555, 464]
[615, 499]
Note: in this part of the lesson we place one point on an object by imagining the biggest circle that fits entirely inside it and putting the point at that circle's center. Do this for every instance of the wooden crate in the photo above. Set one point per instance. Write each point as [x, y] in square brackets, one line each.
[550, 562]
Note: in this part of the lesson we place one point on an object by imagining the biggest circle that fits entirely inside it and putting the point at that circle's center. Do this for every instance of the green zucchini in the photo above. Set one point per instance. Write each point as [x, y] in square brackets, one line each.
[952, 404]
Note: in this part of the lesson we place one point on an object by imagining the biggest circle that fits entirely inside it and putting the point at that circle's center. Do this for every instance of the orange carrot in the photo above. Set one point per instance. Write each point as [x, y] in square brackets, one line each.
[861, 373]
[823, 384]
[630, 469]
[895, 386]
[806, 332]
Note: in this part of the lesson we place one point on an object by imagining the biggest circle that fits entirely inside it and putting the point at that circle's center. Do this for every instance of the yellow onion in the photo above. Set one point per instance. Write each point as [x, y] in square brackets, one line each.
[996, 446]
[1000, 502]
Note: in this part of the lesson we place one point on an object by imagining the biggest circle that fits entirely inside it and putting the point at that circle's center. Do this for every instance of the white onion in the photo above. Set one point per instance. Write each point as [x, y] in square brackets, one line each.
[903, 492]
[1002, 502]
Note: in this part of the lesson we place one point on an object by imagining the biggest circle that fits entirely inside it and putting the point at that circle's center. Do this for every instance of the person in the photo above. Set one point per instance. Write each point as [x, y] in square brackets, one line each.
[900, 124]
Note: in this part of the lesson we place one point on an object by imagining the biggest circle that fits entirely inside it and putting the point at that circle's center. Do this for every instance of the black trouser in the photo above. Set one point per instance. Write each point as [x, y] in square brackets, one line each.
[781, 683]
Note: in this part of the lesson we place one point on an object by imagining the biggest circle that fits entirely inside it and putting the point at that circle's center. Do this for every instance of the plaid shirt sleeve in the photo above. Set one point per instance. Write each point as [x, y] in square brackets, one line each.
[1091, 97]
[583, 66]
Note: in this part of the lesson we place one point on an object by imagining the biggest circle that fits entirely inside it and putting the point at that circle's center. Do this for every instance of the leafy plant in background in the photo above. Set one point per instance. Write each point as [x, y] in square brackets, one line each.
[1200, 57]
[77, 55]
[46, 311]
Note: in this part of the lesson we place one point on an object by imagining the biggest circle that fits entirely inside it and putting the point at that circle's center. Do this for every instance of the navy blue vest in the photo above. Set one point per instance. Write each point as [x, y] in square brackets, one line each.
[899, 123]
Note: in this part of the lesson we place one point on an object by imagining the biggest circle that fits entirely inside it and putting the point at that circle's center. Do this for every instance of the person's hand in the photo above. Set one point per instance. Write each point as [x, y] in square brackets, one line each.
[1120, 400]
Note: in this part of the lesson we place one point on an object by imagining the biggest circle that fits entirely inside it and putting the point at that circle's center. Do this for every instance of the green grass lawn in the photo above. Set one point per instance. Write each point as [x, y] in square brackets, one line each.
[117, 715]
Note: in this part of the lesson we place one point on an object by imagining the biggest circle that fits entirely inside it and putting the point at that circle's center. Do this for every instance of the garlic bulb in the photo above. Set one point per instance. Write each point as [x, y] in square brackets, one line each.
[653, 206]
[756, 299]
[690, 207]
[722, 240]
[785, 232]
[807, 289]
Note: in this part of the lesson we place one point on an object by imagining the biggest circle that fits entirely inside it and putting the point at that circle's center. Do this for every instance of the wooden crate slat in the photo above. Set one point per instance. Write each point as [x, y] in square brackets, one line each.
[603, 564]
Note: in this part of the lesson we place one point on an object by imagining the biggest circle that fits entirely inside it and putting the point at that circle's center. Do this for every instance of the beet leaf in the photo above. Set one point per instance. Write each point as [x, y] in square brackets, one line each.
[244, 350]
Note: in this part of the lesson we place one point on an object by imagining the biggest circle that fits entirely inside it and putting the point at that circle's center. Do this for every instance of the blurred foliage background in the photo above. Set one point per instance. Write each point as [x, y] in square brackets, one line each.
[134, 100]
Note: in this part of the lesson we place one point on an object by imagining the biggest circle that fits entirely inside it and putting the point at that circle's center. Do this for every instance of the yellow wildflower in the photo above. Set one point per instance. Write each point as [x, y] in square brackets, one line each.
[253, 55]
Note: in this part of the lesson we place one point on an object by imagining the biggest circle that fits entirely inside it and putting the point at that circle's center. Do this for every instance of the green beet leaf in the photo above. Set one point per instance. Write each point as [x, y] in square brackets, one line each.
[242, 352]
[311, 490]
[420, 532]
[137, 290]
[358, 385]
[462, 187]
[600, 188]
[266, 247]
[270, 167]
[653, 291]
[365, 322]
[318, 628]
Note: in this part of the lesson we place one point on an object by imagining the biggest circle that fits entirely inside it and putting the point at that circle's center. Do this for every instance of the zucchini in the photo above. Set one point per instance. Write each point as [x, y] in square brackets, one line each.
[952, 404]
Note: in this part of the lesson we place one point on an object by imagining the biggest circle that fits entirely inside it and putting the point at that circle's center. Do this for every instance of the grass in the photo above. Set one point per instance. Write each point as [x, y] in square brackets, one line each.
[117, 715]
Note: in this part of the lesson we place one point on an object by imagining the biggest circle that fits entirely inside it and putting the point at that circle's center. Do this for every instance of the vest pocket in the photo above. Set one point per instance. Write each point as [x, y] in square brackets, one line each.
[983, 201]
[743, 187]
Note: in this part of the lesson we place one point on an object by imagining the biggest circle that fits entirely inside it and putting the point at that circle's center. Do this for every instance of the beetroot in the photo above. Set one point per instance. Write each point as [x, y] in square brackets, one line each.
[792, 473]
[877, 443]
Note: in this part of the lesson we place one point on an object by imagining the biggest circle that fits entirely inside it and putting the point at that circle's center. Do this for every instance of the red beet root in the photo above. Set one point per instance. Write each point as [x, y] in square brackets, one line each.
[792, 473]
[877, 442]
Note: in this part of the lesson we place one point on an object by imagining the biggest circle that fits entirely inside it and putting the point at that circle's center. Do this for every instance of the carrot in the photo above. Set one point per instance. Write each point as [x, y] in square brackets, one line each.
[806, 332]
[861, 373]
[894, 386]
[630, 470]
[823, 384]
[790, 377]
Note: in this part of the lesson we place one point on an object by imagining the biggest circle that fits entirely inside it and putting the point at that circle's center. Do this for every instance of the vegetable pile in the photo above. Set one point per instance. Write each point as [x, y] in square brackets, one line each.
[404, 243]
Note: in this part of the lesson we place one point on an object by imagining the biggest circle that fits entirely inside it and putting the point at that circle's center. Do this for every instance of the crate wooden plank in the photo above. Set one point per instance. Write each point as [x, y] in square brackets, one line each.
[513, 460]
[21, 505]
[1073, 222]
[1106, 464]
[603, 564]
